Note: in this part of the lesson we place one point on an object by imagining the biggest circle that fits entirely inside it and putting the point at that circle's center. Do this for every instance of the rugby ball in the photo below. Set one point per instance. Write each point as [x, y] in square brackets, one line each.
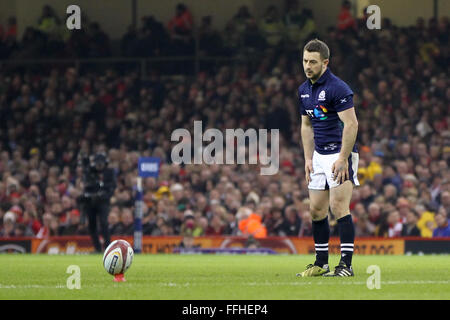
[118, 257]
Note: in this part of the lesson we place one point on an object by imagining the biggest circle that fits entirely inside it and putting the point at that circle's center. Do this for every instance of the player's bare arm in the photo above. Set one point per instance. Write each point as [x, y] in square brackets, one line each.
[340, 167]
[308, 145]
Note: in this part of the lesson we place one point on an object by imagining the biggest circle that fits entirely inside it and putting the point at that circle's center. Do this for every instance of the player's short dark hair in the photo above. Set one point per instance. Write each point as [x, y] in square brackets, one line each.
[317, 45]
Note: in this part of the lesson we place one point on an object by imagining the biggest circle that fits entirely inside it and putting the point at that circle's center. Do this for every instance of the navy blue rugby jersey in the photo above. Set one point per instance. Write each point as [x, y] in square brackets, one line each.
[322, 101]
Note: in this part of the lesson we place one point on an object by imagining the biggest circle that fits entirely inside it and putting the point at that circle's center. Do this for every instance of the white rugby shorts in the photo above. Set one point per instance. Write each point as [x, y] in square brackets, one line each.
[322, 178]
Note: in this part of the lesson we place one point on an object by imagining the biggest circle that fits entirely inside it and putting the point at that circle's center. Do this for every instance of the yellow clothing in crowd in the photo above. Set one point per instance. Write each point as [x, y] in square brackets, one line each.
[426, 224]
[369, 172]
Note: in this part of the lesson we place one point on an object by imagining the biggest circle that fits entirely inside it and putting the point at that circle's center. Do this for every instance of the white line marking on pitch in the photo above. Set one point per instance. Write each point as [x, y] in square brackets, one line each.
[301, 283]
[30, 286]
[252, 284]
[320, 283]
[172, 284]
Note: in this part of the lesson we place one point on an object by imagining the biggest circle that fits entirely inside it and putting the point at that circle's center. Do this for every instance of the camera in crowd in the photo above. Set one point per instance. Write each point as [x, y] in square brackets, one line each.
[98, 179]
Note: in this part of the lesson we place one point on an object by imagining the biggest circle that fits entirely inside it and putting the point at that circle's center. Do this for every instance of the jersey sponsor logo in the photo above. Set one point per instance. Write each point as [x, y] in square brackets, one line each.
[321, 96]
[343, 100]
[320, 112]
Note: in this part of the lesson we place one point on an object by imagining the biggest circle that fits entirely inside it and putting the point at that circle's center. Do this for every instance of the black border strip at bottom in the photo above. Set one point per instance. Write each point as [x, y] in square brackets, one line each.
[237, 309]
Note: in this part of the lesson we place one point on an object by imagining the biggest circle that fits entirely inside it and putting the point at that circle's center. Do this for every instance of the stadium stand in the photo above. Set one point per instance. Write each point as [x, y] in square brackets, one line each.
[400, 76]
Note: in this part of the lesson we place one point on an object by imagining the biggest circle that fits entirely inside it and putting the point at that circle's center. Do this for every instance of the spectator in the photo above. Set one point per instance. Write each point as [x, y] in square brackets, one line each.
[292, 224]
[10, 33]
[200, 227]
[115, 225]
[231, 227]
[442, 222]
[403, 208]
[216, 227]
[374, 215]
[359, 210]
[176, 191]
[426, 223]
[210, 41]
[381, 229]
[157, 231]
[238, 26]
[148, 222]
[308, 29]
[251, 224]
[231, 39]
[130, 42]
[294, 21]
[299, 25]
[127, 221]
[368, 173]
[55, 229]
[21, 230]
[363, 227]
[30, 219]
[272, 27]
[306, 226]
[78, 44]
[362, 22]
[445, 202]
[50, 25]
[367, 195]
[410, 228]
[8, 38]
[188, 223]
[99, 41]
[346, 22]
[275, 222]
[252, 39]
[390, 226]
[49, 22]
[152, 40]
[166, 229]
[180, 30]
[9, 224]
[390, 193]
[73, 226]
[391, 177]
[44, 232]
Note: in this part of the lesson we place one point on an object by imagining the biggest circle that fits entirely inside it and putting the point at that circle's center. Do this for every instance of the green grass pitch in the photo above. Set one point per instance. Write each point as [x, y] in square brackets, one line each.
[222, 277]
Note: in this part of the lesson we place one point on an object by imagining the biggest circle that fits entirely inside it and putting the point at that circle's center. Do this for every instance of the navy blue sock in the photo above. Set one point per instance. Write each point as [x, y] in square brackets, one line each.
[321, 235]
[347, 235]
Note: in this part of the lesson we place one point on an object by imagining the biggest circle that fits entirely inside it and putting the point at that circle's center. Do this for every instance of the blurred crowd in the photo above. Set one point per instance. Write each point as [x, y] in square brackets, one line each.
[400, 77]
[179, 36]
[50, 38]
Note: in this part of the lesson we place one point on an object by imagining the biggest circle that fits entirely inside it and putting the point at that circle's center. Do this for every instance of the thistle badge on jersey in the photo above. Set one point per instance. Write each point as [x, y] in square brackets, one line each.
[321, 96]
